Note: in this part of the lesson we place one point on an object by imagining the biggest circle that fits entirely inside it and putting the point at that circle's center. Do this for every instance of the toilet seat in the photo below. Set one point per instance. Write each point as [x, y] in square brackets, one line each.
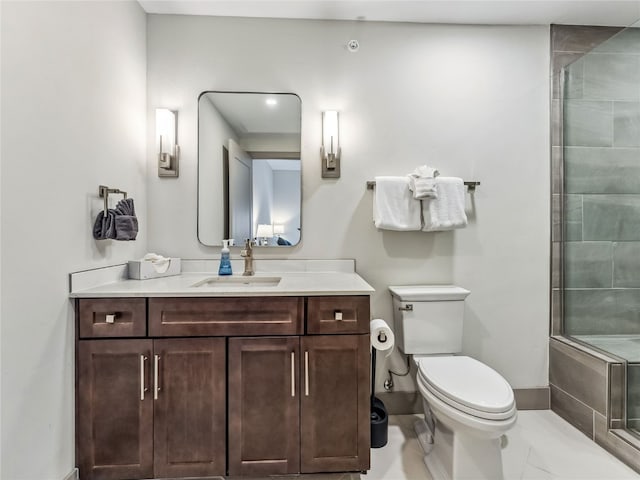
[467, 385]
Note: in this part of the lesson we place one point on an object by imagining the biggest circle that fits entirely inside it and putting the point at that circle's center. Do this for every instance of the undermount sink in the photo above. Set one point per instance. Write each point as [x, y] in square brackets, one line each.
[238, 281]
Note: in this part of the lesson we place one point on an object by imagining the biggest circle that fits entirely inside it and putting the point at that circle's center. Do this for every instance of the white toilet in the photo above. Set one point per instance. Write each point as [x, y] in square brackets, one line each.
[468, 406]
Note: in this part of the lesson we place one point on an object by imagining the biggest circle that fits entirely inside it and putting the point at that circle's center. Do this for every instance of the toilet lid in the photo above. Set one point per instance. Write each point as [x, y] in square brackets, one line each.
[468, 382]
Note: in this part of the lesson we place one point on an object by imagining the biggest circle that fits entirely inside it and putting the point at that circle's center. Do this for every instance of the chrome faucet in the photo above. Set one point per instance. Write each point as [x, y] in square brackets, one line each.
[247, 254]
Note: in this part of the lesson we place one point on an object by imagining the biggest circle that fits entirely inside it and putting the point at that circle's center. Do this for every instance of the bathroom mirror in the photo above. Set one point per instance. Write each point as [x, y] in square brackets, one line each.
[249, 169]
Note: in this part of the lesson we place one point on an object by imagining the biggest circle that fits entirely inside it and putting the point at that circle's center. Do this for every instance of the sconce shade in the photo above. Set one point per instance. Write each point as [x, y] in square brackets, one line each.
[330, 139]
[166, 146]
[330, 151]
[165, 130]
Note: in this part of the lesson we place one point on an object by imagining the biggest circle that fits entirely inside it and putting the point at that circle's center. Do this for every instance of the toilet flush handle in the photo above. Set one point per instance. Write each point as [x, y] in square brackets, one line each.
[406, 308]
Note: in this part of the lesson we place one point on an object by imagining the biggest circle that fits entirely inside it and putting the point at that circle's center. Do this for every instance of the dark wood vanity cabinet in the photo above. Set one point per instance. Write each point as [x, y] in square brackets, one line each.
[264, 406]
[114, 412]
[151, 408]
[334, 426]
[268, 403]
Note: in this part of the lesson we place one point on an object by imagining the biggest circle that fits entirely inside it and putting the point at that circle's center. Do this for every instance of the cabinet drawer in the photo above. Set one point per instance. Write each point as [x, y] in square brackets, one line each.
[170, 317]
[326, 315]
[112, 317]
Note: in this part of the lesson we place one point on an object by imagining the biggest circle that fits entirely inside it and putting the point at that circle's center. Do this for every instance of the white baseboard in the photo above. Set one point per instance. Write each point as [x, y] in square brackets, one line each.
[72, 475]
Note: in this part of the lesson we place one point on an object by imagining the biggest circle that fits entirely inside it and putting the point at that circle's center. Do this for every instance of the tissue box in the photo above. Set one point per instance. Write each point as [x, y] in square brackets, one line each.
[145, 269]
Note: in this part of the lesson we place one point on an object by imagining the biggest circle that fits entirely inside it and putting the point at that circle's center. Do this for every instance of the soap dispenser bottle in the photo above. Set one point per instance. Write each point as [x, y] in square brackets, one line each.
[225, 262]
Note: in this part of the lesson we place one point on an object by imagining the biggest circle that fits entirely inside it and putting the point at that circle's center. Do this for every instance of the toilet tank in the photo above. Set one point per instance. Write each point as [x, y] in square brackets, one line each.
[428, 318]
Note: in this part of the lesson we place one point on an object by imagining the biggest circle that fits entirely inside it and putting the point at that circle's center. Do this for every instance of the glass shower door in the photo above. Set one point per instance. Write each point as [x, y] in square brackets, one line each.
[601, 212]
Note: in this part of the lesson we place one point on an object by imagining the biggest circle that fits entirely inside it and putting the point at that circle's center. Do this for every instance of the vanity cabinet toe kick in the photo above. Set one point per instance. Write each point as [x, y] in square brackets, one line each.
[243, 386]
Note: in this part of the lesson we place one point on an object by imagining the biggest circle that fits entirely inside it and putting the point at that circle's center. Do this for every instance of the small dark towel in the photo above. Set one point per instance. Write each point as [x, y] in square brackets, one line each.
[105, 225]
[126, 222]
[126, 227]
[119, 223]
[125, 207]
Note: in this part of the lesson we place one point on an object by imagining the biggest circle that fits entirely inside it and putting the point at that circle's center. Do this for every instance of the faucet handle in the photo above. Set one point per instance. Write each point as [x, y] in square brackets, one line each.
[247, 250]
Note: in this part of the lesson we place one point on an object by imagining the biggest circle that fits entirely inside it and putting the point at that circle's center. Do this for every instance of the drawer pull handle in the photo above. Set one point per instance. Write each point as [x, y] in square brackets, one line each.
[306, 374]
[143, 358]
[293, 374]
[156, 367]
[407, 308]
[110, 318]
[337, 315]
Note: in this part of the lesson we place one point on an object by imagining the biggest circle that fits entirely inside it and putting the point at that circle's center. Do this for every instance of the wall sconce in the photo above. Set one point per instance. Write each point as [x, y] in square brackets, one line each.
[166, 146]
[264, 232]
[330, 150]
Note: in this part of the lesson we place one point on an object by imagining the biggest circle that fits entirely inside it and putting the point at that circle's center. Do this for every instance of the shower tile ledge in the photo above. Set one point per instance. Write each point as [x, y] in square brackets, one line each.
[581, 346]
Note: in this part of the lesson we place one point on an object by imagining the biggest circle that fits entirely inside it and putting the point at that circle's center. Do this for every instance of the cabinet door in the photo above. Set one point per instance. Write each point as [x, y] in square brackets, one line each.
[264, 408]
[114, 410]
[335, 426]
[189, 407]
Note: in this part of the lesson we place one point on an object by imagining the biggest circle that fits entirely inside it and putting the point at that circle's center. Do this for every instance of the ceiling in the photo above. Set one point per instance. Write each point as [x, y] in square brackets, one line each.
[496, 12]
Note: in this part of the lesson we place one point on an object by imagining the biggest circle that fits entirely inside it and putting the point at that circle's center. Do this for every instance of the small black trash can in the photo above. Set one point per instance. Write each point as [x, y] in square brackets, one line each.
[379, 416]
[379, 423]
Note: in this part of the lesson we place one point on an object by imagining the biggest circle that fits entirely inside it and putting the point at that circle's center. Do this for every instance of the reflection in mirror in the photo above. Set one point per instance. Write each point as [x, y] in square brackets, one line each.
[249, 171]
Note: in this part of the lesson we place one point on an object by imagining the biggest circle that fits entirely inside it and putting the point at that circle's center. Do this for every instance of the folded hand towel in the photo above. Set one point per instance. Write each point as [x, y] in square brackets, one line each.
[447, 211]
[393, 206]
[126, 222]
[125, 207]
[425, 171]
[422, 182]
[105, 225]
[126, 227]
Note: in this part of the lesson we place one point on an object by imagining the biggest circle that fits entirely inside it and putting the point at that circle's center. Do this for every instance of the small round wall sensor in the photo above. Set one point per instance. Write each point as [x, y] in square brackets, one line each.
[353, 45]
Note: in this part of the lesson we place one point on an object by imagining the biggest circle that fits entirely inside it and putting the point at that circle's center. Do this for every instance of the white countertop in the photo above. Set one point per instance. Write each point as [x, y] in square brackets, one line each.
[308, 283]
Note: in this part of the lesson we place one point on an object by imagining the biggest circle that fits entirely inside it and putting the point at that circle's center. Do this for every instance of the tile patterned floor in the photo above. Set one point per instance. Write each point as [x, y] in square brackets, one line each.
[541, 446]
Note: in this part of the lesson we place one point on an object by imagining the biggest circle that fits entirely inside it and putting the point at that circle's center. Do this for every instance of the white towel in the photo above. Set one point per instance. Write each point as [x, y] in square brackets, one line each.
[393, 205]
[422, 182]
[447, 211]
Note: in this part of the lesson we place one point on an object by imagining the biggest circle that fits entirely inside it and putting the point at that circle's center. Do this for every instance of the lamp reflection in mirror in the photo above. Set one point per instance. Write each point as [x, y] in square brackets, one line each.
[263, 234]
[330, 150]
[166, 145]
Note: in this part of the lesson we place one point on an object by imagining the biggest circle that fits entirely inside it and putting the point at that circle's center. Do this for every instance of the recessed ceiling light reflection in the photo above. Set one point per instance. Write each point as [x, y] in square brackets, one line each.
[271, 102]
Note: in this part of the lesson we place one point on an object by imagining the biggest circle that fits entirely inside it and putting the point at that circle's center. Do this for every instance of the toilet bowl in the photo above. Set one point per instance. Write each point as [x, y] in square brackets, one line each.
[468, 406]
[473, 407]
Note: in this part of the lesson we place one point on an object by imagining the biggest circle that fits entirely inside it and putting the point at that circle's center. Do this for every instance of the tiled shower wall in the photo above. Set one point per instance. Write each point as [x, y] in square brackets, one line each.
[601, 194]
[602, 188]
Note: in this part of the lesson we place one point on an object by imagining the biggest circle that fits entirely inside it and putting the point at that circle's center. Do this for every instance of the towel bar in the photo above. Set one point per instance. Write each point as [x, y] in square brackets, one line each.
[104, 191]
[471, 186]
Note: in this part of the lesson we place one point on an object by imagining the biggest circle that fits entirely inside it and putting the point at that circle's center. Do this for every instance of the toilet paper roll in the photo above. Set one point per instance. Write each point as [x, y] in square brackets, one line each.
[382, 337]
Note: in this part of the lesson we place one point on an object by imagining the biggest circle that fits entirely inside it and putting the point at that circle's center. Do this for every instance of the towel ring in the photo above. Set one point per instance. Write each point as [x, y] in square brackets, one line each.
[104, 191]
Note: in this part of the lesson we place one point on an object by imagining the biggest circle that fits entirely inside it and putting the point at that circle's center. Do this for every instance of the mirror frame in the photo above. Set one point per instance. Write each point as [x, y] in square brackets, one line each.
[226, 213]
